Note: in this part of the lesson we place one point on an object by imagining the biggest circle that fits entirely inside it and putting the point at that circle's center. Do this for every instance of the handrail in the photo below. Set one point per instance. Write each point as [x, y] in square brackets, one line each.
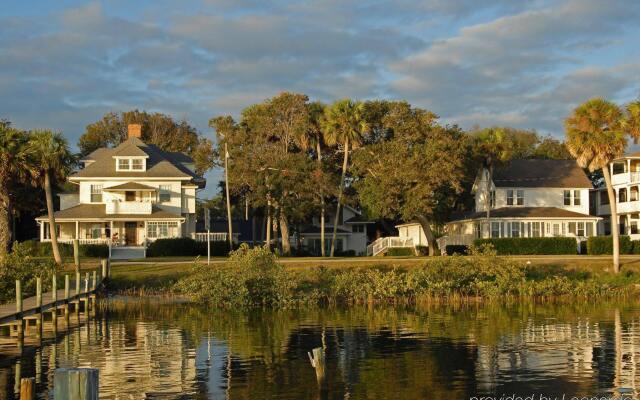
[380, 245]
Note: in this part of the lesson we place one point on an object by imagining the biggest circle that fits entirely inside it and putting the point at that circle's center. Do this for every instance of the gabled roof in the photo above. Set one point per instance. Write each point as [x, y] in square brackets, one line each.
[130, 186]
[538, 173]
[524, 212]
[160, 164]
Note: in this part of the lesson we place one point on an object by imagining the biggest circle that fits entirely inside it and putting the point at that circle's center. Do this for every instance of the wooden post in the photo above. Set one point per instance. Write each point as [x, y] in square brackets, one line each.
[104, 265]
[317, 361]
[86, 282]
[76, 254]
[19, 298]
[75, 384]
[77, 283]
[93, 280]
[38, 293]
[54, 289]
[27, 389]
[66, 288]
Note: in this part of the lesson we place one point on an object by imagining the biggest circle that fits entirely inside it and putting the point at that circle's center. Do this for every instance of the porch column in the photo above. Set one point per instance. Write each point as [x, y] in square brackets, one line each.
[77, 230]
[41, 231]
[145, 232]
[111, 231]
[180, 228]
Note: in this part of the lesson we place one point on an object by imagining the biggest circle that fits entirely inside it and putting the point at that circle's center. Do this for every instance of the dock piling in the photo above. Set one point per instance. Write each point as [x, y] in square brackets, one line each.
[39, 293]
[27, 389]
[77, 283]
[18, 296]
[75, 384]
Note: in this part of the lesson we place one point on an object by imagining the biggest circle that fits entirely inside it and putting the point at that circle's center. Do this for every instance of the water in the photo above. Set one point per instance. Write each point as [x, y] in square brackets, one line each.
[149, 349]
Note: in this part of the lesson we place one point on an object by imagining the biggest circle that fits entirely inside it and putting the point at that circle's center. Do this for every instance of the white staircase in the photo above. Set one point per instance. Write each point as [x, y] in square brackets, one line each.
[381, 245]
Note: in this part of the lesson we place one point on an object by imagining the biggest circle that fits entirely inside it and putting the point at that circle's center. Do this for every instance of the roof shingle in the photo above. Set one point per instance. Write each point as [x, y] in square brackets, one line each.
[537, 173]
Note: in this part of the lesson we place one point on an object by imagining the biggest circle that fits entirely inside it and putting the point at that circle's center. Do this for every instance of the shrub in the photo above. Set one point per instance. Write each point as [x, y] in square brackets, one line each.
[635, 245]
[531, 246]
[185, 247]
[422, 250]
[345, 253]
[20, 264]
[251, 278]
[36, 248]
[400, 252]
[461, 249]
[598, 245]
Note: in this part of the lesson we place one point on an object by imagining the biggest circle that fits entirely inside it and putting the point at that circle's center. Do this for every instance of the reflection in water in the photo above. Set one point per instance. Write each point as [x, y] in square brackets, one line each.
[164, 350]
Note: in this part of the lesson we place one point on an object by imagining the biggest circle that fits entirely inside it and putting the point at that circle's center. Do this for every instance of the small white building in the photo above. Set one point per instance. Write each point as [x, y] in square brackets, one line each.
[127, 196]
[351, 232]
[625, 178]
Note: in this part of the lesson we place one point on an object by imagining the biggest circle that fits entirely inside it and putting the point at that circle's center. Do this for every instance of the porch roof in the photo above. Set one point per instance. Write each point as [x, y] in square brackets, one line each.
[97, 212]
[526, 212]
[130, 186]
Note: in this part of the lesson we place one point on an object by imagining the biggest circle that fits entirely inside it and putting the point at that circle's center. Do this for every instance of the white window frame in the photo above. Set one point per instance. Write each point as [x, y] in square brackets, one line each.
[510, 197]
[536, 229]
[140, 164]
[576, 197]
[518, 231]
[127, 164]
[162, 229]
[95, 189]
[566, 197]
[519, 197]
[492, 199]
[164, 190]
[580, 227]
[497, 224]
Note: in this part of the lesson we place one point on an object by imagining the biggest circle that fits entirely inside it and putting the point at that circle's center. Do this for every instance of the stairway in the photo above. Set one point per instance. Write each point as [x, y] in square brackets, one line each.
[381, 245]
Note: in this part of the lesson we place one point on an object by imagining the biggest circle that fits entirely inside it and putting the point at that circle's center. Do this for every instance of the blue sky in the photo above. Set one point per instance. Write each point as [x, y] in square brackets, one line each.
[63, 64]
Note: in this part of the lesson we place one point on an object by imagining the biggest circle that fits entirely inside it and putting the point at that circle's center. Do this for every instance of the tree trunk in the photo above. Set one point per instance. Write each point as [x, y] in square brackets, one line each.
[431, 240]
[52, 220]
[284, 232]
[322, 247]
[4, 219]
[488, 197]
[274, 220]
[267, 241]
[226, 184]
[615, 222]
[345, 163]
[253, 228]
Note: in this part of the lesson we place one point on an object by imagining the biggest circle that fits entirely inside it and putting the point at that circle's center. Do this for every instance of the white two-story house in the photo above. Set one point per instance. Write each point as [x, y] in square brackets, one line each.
[128, 195]
[625, 178]
[527, 198]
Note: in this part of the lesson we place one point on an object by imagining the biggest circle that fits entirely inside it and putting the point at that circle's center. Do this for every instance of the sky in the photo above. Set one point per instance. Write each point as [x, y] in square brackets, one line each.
[526, 64]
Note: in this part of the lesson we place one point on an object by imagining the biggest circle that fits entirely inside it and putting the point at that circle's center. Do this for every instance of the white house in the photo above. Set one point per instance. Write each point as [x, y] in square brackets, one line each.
[527, 198]
[352, 232]
[128, 195]
[625, 177]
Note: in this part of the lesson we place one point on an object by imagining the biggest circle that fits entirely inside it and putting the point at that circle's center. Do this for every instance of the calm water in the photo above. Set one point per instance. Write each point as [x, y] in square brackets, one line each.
[161, 350]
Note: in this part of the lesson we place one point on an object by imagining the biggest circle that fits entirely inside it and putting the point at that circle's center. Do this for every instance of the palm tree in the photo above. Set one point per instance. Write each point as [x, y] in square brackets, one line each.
[344, 124]
[315, 137]
[14, 167]
[51, 159]
[595, 137]
[632, 122]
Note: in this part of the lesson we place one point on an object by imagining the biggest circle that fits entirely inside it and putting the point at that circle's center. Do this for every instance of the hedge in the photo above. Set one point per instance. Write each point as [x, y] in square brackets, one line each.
[401, 252]
[43, 249]
[531, 246]
[185, 247]
[598, 245]
[461, 249]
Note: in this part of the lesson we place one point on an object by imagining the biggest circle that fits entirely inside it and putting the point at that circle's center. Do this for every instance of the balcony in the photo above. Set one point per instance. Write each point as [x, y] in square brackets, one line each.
[129, 207]
[625, 177]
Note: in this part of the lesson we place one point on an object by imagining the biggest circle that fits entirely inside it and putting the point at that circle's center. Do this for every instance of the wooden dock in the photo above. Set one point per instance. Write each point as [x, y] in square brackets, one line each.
[17, 319]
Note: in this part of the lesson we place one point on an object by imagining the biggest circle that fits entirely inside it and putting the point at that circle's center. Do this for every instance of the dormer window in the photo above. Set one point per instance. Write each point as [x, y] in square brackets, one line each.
[130, 164]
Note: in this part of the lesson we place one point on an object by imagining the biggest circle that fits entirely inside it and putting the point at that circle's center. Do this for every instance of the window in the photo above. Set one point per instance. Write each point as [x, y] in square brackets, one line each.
[510, 197]
[159, 230]
[358, 228]
[136, 164]
[622, 195]
[478, 230]
[576, 197]
[492, 199]
[515, 229]
[123, 164]
[495, 229]
[96, 231]
[556, 229]
[572, 227]
[96, 193]
[520, 197]
[604, 197]
[633, 194]
[589, 229]
[47, 231]
[567, 197]
[581, 231]
[619, 168]
[535, 229]
[633, 227]
[607, 226]
[164, 194]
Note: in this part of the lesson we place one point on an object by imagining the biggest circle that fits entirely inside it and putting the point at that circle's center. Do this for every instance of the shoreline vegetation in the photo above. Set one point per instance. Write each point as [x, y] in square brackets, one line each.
[254, 278]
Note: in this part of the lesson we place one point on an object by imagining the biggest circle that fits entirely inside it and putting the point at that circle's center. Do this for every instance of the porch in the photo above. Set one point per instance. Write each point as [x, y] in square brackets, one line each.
[114, 233]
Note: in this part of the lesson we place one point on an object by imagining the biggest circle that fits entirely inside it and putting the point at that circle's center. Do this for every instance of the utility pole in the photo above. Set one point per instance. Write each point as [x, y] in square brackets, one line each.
[226, 182]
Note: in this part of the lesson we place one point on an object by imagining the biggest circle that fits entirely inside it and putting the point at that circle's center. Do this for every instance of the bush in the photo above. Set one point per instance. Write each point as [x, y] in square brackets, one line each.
[36, 248]
[531, 246]
[599, 245]
[251, 278]
[400, 252]
[422, 250]
[20, 264]
[635, 245]
[461, 249]
[185, 247]
[345, 253]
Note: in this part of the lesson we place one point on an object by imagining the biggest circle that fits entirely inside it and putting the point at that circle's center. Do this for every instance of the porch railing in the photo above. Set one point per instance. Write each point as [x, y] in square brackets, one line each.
[129, 207]
[381, 245]
[215, 236]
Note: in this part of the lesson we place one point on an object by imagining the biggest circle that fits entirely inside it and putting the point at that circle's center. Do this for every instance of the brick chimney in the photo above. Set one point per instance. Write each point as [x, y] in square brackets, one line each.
[134, 130]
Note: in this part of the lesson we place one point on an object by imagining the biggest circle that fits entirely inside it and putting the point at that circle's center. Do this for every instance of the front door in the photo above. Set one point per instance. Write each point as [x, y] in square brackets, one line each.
[130, 233]
[129, 196]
